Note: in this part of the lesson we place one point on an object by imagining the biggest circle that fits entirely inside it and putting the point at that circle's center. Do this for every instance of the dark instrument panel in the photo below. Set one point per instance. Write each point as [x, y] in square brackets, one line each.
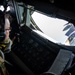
[33, 53]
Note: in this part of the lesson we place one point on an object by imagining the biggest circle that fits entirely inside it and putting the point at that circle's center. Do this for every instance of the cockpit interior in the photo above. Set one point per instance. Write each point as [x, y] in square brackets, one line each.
[32, 53]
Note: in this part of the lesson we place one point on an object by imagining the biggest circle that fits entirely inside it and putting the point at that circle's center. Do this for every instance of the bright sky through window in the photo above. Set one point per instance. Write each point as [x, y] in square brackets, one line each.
[52, 27]
[2, 8]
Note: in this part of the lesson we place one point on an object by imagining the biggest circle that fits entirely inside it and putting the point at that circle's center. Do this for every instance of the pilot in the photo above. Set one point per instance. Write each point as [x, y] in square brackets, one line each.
[5, 44]
[5, 41]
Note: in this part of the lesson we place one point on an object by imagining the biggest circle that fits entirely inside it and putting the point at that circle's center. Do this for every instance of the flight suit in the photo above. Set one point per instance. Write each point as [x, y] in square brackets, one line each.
[5, 47]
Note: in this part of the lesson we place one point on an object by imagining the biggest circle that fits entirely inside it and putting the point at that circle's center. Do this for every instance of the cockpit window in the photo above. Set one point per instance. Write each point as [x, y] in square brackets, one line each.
[1, 8]
[57, 29]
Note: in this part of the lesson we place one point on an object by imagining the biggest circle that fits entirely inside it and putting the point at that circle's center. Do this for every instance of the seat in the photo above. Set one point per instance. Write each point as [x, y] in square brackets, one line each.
[62, 62]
